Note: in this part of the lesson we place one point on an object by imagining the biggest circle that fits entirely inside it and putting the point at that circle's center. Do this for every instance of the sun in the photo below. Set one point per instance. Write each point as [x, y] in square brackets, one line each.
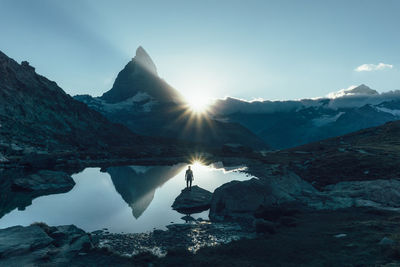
[198, 103]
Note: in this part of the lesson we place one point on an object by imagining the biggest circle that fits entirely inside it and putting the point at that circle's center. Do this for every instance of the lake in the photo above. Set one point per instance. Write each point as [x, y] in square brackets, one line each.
[124, 199]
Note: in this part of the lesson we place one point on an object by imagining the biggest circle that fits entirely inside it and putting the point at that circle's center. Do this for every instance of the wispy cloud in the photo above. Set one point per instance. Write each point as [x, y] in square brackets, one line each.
[373, 67]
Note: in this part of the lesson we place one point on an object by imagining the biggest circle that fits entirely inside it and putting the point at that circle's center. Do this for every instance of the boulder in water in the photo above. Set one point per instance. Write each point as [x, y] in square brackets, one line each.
[191, 201]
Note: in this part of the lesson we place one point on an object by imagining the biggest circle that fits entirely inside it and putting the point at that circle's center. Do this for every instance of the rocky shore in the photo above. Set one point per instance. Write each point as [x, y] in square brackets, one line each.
[362, 236]
[278, 206]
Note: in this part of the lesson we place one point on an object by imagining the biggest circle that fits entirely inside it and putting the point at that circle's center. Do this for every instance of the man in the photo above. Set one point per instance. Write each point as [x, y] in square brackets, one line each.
[189, 178]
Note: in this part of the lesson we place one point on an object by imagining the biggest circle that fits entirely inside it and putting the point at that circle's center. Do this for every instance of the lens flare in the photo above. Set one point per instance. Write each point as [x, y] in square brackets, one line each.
[198, 103]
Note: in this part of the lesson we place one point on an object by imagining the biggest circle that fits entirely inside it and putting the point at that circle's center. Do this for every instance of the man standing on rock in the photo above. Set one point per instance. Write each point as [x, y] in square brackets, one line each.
[189, 178]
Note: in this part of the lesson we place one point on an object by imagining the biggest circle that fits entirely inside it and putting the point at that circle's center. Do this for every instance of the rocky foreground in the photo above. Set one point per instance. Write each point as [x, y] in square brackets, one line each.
[346, 237]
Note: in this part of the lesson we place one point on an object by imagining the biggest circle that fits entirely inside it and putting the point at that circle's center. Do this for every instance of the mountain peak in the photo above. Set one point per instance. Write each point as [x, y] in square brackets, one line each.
[140, 76]
[144, 60]
[362, 90]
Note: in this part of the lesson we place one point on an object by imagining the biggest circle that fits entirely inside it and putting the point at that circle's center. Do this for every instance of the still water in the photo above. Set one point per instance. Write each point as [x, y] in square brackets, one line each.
[129, 199]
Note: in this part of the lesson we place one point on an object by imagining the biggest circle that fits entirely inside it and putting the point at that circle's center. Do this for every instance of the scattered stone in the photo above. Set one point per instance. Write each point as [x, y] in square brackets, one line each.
[340, 235]
[191, 201]
[264, 226]
[386, 242]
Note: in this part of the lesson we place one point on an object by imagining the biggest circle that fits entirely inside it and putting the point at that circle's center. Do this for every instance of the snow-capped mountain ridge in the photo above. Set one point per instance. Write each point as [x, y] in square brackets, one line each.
[285, 124]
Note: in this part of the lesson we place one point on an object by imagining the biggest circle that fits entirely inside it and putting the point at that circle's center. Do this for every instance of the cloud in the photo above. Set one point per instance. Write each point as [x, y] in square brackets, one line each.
[373, 67]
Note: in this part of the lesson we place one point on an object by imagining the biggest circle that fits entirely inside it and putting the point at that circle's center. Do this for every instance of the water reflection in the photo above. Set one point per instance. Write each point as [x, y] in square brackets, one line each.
[137, 184]
[127, 199]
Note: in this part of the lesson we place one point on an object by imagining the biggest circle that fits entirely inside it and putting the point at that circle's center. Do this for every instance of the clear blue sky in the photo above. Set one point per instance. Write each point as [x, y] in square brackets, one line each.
[247, 49]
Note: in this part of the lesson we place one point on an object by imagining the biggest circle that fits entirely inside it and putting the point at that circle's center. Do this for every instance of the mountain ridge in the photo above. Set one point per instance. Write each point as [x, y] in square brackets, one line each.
[147, 105]
[285, 124]
[37, 116]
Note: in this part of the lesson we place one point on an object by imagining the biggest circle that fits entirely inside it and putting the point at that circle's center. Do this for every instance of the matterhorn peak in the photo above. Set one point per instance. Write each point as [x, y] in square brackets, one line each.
[144, 60]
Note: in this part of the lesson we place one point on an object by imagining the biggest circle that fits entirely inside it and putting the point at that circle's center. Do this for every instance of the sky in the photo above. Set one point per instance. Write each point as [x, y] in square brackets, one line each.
[275, 50]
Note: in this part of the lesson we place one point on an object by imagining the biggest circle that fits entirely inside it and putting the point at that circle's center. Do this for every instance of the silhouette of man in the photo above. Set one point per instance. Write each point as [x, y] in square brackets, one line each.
[189, 178]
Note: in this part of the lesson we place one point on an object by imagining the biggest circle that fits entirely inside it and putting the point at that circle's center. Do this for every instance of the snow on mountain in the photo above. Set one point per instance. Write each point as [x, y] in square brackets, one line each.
[285, 124]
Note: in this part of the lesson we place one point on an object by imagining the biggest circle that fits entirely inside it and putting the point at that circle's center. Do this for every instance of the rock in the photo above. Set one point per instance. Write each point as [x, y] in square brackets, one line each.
[45, 181]
[83, 243]
[3, 159]
[243, 199]
[386, 242]
[38, 161]
[191, 201]
[340, 235]
[66, 235]
[27, 246]
[376, 193]
[264, 226]
[238, 199]
[188, 218]
[18, 240]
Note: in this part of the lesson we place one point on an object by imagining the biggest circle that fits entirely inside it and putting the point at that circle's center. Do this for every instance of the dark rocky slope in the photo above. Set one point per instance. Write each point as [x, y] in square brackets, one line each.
[37, 116]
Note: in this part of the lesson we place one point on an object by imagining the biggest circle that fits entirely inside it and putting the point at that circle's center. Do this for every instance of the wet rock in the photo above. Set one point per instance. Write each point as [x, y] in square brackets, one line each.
[82, 243]
[18, 240]
[340, 235]
[66, 234]
[28, 246]
[45, 181]
[264, 226]
[188, 218]
[243, 199]
[238, 199]
[195, 200]
[38, 161]
[386, 242]
[3, 158]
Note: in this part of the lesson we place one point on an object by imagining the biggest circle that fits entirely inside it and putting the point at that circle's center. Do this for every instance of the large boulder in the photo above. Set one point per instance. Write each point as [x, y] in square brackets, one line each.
[19, 240]
[238, 199]
[38, 244]
[191, 201]
[45, 181]
[289, 191]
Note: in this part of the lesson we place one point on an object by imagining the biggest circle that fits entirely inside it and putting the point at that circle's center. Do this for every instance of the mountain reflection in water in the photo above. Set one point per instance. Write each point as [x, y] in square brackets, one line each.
[128, 199]
[137, 184]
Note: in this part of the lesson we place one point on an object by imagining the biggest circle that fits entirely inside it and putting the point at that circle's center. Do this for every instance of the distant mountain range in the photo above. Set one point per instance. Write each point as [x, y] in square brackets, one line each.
[38, 117]
[147, 105]
[284, 124]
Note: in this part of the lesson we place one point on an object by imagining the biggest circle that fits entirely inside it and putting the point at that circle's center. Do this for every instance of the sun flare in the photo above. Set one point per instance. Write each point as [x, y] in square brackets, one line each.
[198, 165]
[198, 103]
